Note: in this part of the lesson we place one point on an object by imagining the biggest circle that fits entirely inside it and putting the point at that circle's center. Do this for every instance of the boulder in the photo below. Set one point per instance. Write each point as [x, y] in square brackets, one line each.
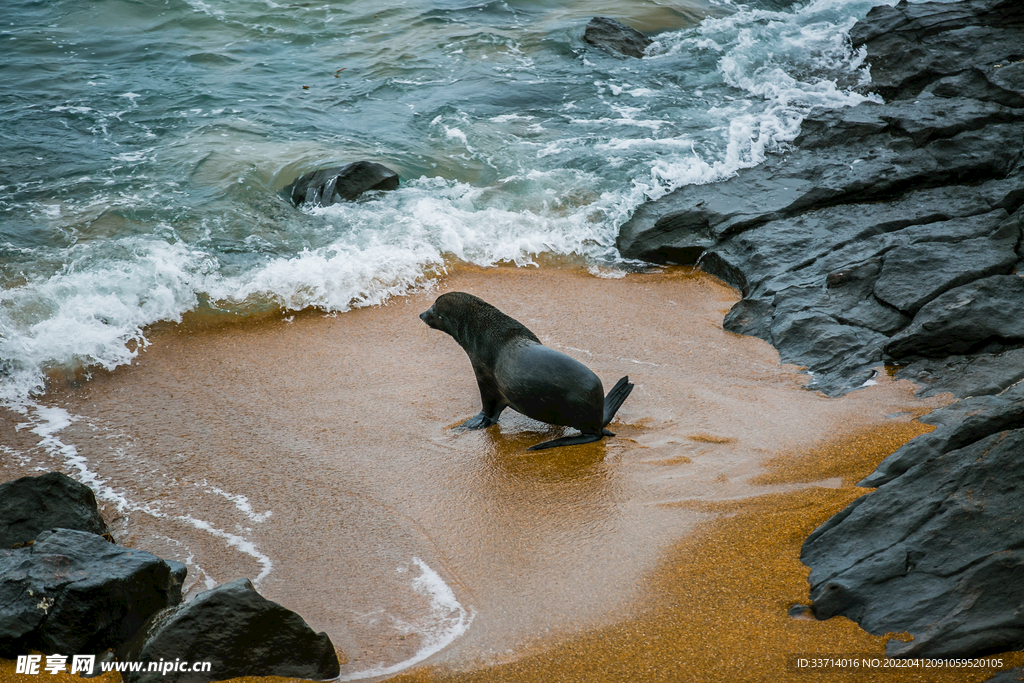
[72, 592]
[341, 183]
[615, 37]
[31, 505]
[935, 552]
[239, 632]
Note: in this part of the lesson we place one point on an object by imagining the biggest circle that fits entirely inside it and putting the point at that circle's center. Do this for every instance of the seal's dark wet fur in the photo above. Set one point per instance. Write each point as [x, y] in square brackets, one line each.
[514, 369]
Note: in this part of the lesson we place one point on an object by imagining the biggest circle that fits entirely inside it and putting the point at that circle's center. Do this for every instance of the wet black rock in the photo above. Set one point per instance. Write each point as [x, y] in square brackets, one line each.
[850, 249]
[341, 183]
[968, 375]
[913, 47]
[895, 233]
[74, 592]
[613, 36]
[936, 550]
[1014, 675]
[236, 630]
[958, 425]
[969, 318]
[31, 505]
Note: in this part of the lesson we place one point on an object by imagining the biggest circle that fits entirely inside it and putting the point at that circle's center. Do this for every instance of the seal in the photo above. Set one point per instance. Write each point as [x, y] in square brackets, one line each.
[513, 369]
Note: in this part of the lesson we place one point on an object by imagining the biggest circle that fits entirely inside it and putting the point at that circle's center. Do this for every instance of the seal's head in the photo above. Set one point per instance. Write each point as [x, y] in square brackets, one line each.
[471, 320]
[450, 309]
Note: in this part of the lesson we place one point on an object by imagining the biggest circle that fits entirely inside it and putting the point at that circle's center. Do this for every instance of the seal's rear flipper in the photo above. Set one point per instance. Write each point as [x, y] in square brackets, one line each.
[567, 441]
[615, 398]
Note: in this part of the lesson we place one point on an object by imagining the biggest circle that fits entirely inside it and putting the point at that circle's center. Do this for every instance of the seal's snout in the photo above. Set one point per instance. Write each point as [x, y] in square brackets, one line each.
[429, 317]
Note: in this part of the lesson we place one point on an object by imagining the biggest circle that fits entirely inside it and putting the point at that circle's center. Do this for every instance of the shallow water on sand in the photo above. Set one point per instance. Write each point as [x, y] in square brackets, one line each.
[314, 454]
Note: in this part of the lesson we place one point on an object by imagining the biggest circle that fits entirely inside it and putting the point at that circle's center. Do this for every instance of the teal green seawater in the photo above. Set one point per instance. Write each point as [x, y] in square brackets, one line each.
[144, 145]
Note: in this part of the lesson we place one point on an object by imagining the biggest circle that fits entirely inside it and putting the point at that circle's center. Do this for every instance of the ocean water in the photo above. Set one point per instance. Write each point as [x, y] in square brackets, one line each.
[144, 145]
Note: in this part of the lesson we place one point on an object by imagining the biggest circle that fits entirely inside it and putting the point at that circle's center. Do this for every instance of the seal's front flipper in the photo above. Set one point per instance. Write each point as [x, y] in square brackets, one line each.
[478, 421]
[567, 441]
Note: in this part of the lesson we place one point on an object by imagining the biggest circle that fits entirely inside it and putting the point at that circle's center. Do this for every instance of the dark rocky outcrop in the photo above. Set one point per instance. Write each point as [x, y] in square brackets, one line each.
[890, 228]
[1014, 675]
[341, 183]
[31, 505]
[615, 37]
[239, 632]
[74, 592]
[893, 233]
[938, 548]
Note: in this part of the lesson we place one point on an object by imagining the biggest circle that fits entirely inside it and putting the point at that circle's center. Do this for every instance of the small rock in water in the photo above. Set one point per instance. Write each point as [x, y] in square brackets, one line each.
[341, 183]
[614, 36]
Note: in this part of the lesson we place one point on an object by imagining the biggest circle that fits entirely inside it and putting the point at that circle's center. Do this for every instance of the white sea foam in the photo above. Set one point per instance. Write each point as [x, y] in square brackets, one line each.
[200, 6]
[47, 421]
[239, 543]
[760, 53]
[92, 312]
[445, 621]
[506, 118]
[241, 502]
[568, 179]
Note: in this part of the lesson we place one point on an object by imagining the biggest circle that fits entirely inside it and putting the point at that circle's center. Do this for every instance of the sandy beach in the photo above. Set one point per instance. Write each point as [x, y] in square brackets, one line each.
[315, 455]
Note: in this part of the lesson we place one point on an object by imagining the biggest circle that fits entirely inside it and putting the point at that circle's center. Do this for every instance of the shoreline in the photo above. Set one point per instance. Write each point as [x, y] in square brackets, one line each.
[335, 430]
[741, 568]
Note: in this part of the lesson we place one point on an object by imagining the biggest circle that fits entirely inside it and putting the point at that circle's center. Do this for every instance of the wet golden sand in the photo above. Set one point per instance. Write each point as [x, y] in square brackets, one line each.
[669, 552]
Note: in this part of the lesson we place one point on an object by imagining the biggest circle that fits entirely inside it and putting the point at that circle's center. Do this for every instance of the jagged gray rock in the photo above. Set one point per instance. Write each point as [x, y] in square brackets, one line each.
[236, 630]
[914, 46]
[73, 592]
[975, 375]
[31, 505]
[879, 211]
[959, 425]
[938, 548]
[967, 319]
[936, 551]
[892, 233]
